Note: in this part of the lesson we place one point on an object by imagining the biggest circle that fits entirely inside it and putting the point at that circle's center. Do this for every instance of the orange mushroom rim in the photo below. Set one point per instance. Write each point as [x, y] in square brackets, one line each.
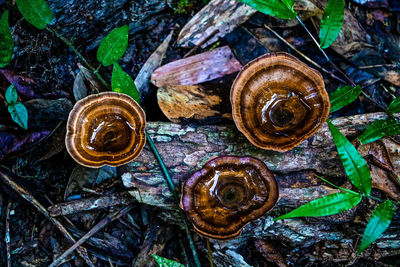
[278, 101]
[228, 193]
[105, 129]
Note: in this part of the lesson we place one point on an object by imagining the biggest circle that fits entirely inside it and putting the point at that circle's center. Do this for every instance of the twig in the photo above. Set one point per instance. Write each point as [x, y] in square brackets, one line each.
[7, 237]
[28, 197]
[65, 217]
[336, 186]
[372, 100]
[210, 259]
[171, 187]
[313, 38]
[323, 52]
[85, 62]
[303, 55]
[100, 225]
[86, 204]
[377, 66]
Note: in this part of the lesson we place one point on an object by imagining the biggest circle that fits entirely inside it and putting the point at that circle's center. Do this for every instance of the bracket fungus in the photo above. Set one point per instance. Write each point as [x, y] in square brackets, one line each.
[278, 101]
[105, 129]
[227, 193]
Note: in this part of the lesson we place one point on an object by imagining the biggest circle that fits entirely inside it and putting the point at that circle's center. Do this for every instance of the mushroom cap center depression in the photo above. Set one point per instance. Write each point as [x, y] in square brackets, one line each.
[231, 188]
[280, 111]
[109, 133]
[232, 192]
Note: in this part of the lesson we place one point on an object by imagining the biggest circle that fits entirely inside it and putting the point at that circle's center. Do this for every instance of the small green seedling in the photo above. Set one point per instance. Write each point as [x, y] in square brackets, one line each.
[18, 111]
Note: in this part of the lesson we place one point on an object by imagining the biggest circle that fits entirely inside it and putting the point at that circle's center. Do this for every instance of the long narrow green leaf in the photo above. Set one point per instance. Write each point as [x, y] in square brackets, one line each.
[289, 4]
[273, 7]
[121, 82]
[379, 221]
[331, 22]
[327, 205]
[164, 262]
[343, 96]
[354, 165]
[113, 46]
[36, 12]
[19, 114]
[394, 107]
[379, 129]
[6, 41]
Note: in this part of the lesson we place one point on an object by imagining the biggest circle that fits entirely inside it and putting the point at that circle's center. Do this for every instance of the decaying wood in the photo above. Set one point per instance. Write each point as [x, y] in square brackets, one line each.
[187, 102]
[197, 69]
[205, 103]
[86, 204]
[186, 148]
[220, 16]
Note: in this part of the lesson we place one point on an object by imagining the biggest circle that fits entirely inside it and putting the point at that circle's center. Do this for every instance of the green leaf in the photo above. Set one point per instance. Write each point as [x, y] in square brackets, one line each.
[343, 96]
[379, 221]
[327, 205]
[19, 114]
[394, 107]
[113, 46]
[354, 165]
[6, 41]
[121, 82]
[273, 7]
[331, 22]
[379, 129]
[36, 12]
[11, 95]
[289, 3]
[164, 262]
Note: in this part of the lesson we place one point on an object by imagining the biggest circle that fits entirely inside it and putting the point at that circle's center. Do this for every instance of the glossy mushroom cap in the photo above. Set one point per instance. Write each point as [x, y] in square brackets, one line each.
[227, 193]
[105, 129]
[278, 101]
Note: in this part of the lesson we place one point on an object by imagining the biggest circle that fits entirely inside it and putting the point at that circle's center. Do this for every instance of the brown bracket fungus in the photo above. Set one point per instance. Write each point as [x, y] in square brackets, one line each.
[278, 101]
[227, 193]
[105, 129]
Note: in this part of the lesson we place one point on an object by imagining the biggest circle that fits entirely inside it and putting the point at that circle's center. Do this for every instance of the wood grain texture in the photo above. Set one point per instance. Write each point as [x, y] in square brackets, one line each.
[206, 103]
[214, 21]
[197, 69]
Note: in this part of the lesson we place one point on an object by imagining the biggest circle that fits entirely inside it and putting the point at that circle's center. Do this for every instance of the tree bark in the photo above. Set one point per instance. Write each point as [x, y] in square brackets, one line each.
[186, 148]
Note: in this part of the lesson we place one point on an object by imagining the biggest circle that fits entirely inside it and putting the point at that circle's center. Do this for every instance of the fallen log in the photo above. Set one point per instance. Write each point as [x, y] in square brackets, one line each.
[186, 148]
